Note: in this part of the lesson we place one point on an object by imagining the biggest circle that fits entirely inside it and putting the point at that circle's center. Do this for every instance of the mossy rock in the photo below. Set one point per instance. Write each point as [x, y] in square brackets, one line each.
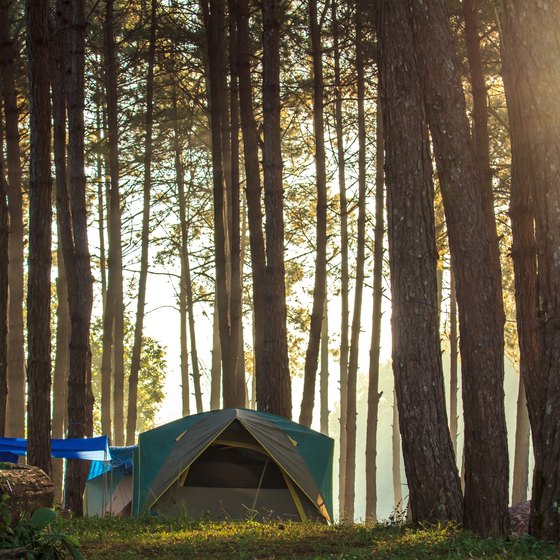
[27, 487]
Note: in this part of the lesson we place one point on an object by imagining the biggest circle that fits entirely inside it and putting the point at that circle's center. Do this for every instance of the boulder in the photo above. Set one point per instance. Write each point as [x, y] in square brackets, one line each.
[27, 487]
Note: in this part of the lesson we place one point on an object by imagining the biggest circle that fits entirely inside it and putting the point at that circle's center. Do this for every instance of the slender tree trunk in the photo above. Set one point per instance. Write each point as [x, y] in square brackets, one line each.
[4, 251]
[113, 325]
[454, 363]
[40, 219]
[274, 392]
[235, 213]
[183, 253]
[148, 152]
[221, 172]
[344, 274]
[373, 388]
[479, 295]
[15, 418]
[324, 371]
[60, 375]
[349, 490]
[100, 202]
[253, 189]
[433, 481]
[396, 460]
[185, 389]
[531, 77]
[319, 289]
[63, 327]
[216, 374]
[521, 455]
[80, 400]
[524, 255]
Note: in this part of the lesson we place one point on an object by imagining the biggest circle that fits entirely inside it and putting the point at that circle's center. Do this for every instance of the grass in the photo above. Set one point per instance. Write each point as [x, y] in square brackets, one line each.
[147, 538]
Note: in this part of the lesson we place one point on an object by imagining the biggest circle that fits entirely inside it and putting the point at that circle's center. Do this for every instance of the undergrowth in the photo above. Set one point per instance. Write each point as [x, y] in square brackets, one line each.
[147, 538]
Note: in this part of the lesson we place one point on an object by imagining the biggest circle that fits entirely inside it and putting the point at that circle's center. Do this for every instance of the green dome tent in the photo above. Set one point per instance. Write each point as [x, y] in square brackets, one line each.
[234, 464]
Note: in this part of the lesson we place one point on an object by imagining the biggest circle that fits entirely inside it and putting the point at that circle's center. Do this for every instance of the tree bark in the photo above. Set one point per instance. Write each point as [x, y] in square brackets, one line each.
[521, 455]
[80, 290]
[15, 418]
[234, 223]
[480, 134]
[454, 363]
[113, 318]
[324, 371]
[349, 491]
[274, 392]
[4, 252]
[319, 289]
[531, 77]
[433, 480]
[478, 287]
[40, 219]
[141, 302]
[344, 274]
[216, 377]
[60, 375]
[396, 458]
[373, 388]
[253, 188]
[63, 327]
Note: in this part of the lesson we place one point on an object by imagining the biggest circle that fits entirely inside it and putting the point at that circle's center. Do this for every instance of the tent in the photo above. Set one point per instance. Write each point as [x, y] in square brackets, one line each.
[109, 486]
[234, 464]
[89, 449]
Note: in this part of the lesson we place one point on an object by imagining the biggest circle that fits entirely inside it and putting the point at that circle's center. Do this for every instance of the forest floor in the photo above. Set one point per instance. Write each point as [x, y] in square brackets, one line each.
[150, 538]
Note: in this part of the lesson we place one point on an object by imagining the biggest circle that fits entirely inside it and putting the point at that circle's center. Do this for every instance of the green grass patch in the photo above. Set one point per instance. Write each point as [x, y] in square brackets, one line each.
[147, 538]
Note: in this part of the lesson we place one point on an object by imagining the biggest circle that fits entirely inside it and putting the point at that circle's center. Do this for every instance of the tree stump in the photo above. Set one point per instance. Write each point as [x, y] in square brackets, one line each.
[27, 487]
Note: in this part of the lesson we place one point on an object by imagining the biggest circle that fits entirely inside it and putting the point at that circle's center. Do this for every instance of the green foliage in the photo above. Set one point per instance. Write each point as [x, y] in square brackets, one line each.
[151, 379]
[37, 537]
[112, 538]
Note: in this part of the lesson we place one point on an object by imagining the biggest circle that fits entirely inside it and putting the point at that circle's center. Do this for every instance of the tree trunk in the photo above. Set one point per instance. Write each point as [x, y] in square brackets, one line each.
[221, 172]
[324, 371]
[235, 303]
[532, 79]
[253, 190]
[480, 133]
[62, 362]
[344, 274]
[396, 459]
[113, 325]
[183, 254]
[141, 302]
[216, 374]
[521, 456]
[319, 289]
[476, 273]
[40, 219]
[274, 392]
[100, 199]
[80, 400]
[349, 491]
[433, 481]
[454, 363]
[373, 387]
[15, 418]
[60, 375]
[4, 251]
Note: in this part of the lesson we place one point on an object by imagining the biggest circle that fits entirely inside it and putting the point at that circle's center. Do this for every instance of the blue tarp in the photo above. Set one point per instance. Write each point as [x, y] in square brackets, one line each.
[121, 459]
[90, 449]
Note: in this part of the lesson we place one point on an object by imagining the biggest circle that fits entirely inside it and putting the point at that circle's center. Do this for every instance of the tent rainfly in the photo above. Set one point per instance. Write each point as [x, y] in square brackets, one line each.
[234, 464]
